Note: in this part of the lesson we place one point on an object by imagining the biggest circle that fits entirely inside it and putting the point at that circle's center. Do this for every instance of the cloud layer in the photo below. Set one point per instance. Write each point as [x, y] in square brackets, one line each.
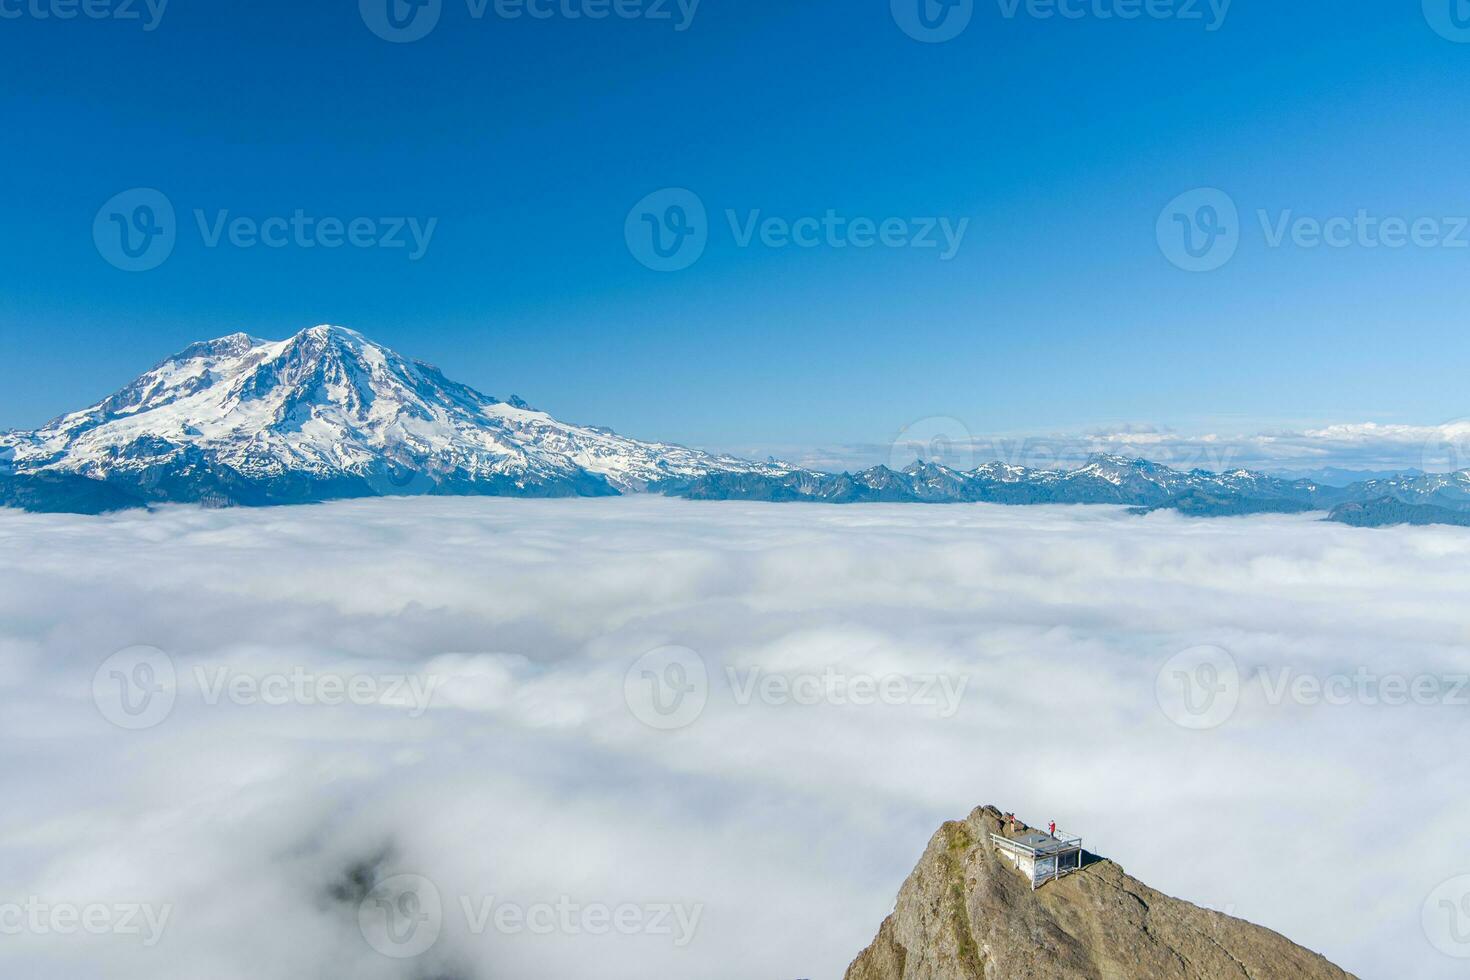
[767, 833]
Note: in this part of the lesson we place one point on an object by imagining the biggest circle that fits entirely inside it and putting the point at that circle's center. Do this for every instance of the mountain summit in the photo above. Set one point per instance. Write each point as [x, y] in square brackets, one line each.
[328, 413]
[965, 914]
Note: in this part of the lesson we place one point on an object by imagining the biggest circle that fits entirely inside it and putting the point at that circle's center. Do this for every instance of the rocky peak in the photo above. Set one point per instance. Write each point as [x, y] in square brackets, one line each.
[965, 914]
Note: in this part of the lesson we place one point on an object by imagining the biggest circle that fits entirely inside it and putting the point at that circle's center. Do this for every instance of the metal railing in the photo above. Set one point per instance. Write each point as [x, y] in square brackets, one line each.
[1046, 858]
[1055, 842]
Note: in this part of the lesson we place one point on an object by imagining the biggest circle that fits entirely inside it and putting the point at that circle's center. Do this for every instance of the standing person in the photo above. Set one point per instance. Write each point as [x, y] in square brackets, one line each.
[1052, 829]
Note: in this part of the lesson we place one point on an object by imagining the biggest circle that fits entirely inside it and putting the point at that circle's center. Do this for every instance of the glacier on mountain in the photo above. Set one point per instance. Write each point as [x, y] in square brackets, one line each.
[329, 414]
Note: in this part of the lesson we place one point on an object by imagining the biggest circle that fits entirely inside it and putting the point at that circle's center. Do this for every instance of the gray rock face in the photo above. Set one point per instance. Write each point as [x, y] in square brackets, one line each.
[964, 914]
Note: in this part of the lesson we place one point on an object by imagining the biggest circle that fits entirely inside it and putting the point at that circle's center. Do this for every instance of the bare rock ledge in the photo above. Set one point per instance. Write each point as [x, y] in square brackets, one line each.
[964, 914]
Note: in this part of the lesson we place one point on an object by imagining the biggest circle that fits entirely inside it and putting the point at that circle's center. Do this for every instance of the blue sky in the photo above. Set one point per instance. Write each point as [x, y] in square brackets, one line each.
[528, 140]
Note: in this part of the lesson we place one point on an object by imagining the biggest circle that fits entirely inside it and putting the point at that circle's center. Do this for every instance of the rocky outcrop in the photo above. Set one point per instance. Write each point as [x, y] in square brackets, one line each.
[964, 914]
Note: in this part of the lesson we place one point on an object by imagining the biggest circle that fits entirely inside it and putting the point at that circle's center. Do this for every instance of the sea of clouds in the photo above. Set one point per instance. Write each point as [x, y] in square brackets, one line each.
[470, 739]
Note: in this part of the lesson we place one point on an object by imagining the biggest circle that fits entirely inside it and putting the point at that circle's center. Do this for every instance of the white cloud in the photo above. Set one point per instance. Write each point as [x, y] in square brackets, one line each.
[788, 826]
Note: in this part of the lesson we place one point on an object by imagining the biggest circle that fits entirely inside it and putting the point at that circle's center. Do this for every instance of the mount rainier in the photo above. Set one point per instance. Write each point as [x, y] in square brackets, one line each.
[328, 414]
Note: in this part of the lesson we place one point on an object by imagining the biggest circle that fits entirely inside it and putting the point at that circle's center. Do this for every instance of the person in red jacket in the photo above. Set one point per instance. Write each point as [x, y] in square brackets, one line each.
[1053, 828]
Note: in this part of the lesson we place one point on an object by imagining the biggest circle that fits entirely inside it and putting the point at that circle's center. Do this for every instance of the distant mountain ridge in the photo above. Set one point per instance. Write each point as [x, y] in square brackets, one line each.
[1389, 512]
[328, 414]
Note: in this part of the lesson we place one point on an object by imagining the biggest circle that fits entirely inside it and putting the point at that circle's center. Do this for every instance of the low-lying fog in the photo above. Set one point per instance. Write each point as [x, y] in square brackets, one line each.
[472, 739]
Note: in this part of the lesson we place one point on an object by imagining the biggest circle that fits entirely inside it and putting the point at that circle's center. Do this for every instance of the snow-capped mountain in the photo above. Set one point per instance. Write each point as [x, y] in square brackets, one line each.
[1102, 479]
[1437, 489]
[329, 413]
